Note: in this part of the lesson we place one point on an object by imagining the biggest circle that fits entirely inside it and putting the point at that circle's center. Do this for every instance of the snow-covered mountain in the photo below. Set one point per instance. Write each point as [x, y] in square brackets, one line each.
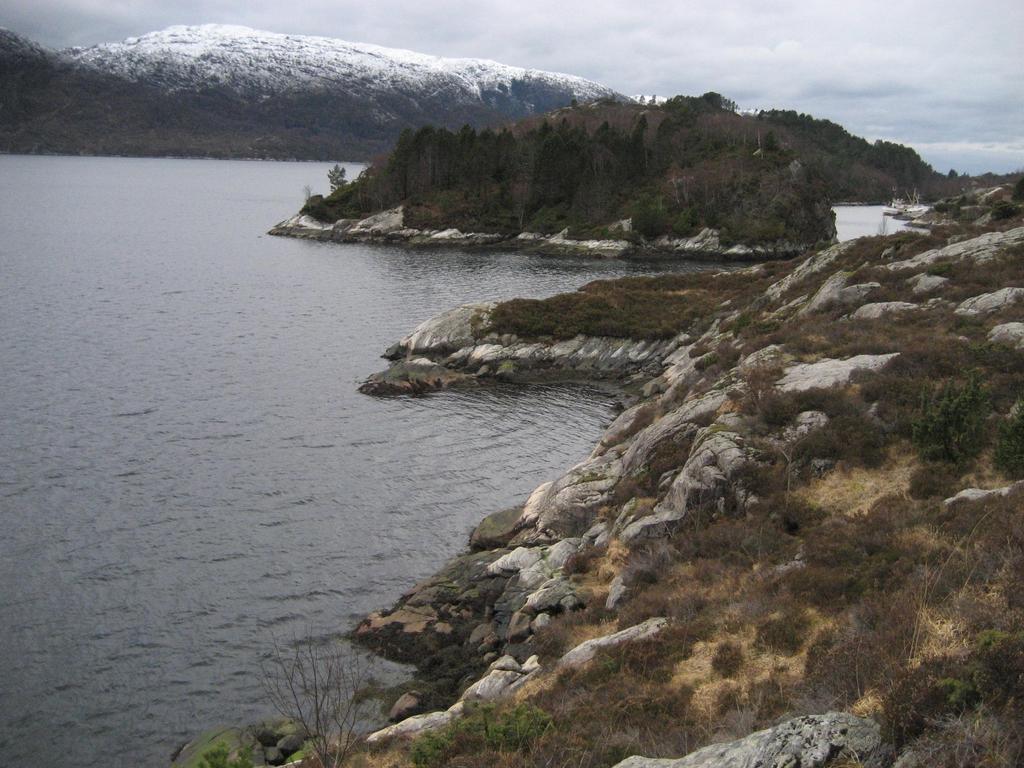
[253, 62]
[233, 91]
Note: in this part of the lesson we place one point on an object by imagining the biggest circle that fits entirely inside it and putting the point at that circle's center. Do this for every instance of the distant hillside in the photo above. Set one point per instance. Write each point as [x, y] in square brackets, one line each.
[235, 92]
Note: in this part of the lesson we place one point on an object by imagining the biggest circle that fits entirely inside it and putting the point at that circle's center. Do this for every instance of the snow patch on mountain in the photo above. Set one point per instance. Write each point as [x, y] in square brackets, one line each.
[255, 63]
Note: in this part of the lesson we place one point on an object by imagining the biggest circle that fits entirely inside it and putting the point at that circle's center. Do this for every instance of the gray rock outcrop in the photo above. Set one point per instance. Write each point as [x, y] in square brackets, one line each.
[990, 302]
[882, 309]
[814, 741]
[1011, 334]
[835, 292]
[830, 372]
[704, 480]
[980, 249]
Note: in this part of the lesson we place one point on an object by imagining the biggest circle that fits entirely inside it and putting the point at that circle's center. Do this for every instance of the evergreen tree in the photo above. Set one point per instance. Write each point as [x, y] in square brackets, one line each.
[336, 177]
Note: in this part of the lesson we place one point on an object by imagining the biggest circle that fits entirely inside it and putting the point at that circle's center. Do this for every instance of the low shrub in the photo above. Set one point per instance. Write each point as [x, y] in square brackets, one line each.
[728, 659]
[785, 632]
[950, 426]
[219, 757]
[849, 437]
[933, 480]
[1004, 209]
[1009, 455]
[485, 728]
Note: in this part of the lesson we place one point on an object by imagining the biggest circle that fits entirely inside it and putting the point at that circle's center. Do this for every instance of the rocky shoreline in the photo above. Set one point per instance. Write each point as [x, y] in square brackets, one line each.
[389, 228]
[706, 420]
[477, 618]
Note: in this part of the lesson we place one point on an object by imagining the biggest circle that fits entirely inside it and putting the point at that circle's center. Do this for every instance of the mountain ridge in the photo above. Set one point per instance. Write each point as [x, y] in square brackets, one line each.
[223, 91]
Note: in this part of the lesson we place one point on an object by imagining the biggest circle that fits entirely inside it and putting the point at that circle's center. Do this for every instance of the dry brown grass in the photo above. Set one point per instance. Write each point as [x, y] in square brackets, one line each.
[853, 491]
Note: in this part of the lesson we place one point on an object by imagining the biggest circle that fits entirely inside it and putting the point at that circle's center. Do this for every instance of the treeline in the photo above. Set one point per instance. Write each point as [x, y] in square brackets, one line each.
[690, 163]
[673, 169]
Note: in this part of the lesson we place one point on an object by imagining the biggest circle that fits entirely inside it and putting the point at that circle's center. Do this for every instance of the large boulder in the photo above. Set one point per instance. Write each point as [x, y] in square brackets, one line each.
[1011, 334]
[414, 726]
[829, 372]
[811, 266]
[567, 506]
[924, 283]
[380, 223]
[814, 741]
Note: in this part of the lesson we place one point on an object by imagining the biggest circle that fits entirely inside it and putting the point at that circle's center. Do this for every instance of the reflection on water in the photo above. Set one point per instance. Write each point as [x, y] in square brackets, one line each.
[854, 221]
[186, 469]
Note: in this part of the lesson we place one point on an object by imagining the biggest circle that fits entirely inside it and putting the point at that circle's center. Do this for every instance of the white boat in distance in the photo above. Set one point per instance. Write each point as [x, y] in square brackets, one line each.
[910, 208]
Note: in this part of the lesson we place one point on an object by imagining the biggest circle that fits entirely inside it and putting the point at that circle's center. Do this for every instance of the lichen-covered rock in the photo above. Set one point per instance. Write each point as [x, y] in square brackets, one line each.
[990, 302]
[497, 529]
[586, 651]
[1011, 334]
[814, 741]
[566, 507]
[830, 372]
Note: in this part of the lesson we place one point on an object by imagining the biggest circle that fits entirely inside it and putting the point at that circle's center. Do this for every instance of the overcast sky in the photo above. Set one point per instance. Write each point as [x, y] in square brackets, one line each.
[945, 77]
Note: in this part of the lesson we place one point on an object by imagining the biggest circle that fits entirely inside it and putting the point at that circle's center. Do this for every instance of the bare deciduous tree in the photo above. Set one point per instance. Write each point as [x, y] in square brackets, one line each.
[316, 684]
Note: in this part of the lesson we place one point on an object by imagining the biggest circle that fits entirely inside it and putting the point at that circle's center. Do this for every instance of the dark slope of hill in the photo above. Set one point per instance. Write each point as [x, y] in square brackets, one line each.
[857, 169]
[234, 92]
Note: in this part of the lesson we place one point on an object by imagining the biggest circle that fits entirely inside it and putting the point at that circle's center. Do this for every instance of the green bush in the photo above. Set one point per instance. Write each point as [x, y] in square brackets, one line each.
[1018, 189]
[650, 218]
[951, 423]
[1004, 209]
[217, 757]
[486, 728]
[1009, 456]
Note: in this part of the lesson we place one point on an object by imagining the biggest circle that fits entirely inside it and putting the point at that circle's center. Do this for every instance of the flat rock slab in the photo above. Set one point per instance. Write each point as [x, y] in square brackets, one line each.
[815, 741]
[829, 372]
[882, 309]
[584, 652]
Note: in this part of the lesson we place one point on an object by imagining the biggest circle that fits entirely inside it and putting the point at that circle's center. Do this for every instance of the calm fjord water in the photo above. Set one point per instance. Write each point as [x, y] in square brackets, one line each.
[186, 468]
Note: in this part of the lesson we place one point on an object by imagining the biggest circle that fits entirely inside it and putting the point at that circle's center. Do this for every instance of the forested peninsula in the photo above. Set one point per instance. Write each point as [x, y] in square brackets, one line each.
[689, 176]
